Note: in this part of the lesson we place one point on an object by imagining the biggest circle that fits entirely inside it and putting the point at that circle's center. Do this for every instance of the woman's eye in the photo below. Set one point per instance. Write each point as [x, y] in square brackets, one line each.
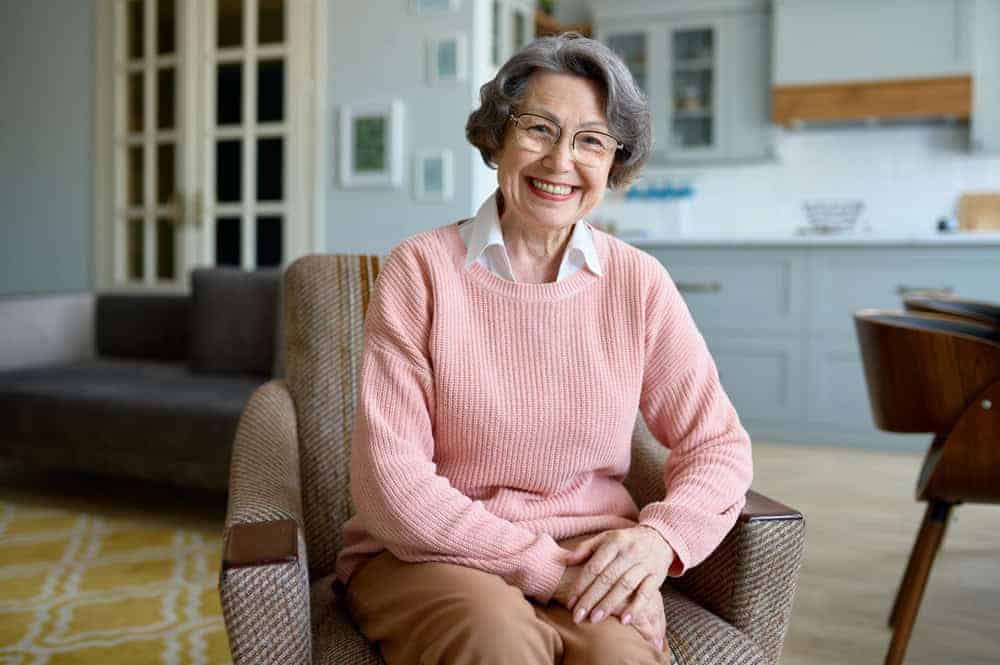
[541, 129]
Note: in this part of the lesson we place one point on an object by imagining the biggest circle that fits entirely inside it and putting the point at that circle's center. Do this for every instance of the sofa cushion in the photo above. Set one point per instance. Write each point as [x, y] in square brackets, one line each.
[151, 327]
[234, 318]
[159, 414]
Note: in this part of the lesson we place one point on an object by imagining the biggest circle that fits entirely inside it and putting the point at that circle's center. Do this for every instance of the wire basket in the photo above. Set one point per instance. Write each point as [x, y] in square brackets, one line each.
[833, 216]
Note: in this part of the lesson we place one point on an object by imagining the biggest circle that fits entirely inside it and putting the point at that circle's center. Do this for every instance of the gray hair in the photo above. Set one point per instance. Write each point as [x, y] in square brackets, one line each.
[625, 105]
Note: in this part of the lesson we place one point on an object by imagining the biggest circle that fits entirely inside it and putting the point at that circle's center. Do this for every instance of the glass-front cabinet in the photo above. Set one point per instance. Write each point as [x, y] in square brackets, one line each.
[705, 74]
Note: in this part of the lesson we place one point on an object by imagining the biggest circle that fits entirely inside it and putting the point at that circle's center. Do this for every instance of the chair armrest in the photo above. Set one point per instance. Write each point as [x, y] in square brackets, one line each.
[264, 582]
[751, 578]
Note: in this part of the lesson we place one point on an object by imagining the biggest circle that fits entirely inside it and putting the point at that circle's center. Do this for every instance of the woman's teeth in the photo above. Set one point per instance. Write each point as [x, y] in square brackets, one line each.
[558, 190]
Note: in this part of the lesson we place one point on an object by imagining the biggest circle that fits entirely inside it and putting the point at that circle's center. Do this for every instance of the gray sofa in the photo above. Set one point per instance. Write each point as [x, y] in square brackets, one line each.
[162, 396]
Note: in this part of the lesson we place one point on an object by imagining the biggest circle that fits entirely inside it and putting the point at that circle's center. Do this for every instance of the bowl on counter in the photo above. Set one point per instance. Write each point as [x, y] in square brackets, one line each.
[832, 216]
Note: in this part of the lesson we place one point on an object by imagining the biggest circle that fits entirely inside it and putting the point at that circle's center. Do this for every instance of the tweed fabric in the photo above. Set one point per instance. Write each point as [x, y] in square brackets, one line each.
[698, 637]
[266, 608]
[325, 302]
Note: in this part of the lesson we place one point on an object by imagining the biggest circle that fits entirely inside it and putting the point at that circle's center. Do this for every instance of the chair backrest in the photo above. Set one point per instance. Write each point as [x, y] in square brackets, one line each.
[922, 370]
[325, 300]
[978, 311]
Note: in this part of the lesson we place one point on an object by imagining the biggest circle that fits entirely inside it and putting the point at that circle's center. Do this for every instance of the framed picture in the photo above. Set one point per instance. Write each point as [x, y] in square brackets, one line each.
[371, 144]
[433, 179]
[446, 58]
[434, 6]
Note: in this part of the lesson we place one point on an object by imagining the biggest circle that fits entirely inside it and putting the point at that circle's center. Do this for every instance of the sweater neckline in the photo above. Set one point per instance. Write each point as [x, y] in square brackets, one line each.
[524, 290]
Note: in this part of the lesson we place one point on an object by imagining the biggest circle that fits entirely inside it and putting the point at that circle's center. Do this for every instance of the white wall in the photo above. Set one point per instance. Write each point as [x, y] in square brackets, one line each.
[907, 175]
[377, 51]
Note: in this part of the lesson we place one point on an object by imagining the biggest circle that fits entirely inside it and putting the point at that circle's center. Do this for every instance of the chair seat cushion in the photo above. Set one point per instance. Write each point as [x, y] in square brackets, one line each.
[152, 412]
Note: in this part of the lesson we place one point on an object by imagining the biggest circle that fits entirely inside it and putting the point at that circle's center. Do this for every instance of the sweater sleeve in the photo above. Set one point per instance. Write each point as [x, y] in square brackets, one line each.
[709, 469]
[403, 502]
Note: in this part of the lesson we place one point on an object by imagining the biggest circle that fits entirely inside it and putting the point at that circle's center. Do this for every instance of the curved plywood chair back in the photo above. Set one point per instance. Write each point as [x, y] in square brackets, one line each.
[923, 370]
[971, 310]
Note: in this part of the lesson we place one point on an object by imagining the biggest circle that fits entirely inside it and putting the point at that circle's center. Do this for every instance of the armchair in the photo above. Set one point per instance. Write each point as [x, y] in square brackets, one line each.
[289, 496]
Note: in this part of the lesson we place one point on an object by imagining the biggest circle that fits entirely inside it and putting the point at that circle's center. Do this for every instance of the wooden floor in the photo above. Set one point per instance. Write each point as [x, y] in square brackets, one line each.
[861, 519]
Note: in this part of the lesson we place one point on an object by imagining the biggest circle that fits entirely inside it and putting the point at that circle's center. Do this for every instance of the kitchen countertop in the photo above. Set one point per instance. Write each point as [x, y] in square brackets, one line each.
[845, 240]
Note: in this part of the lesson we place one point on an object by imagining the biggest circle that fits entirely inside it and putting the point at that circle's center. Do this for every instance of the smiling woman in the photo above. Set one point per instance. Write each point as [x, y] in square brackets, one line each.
[505, 358]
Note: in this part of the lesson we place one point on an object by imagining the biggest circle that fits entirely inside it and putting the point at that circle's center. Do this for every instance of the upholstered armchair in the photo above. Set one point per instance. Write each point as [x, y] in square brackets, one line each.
[289, 496]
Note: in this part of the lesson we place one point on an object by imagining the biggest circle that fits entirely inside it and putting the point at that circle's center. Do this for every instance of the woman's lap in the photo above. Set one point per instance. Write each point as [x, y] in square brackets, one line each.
[428, 613]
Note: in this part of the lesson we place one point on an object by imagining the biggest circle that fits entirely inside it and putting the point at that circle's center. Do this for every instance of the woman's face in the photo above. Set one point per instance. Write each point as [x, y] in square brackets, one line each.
[574, 103]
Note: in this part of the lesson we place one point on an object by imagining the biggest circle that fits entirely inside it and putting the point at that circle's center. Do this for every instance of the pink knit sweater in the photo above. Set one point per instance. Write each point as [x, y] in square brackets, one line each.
[495, 417]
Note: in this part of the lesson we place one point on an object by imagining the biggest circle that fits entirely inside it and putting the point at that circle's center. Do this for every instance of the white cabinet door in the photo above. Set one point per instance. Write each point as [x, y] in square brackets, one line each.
[984, 124]
[746, 84]
[818, 41]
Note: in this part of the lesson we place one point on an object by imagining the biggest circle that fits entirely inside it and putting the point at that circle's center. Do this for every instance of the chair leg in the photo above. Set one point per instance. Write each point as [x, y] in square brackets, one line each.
[922, 558]
[918, 545]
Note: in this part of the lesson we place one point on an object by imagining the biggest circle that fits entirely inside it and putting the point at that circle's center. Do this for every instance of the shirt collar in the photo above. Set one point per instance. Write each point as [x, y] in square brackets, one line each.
[483, 232]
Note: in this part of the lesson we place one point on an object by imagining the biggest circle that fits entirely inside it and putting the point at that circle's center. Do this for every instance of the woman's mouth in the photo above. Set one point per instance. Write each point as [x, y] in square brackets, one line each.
[550, 190]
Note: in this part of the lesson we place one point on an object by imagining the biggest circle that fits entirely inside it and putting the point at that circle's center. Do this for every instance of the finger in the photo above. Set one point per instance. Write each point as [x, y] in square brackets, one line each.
[639, 604]
[596, 578]
[619, 594]
[583, 550]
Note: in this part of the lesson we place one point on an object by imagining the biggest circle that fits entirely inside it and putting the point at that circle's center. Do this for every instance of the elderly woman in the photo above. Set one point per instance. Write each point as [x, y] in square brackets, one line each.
[505, 360]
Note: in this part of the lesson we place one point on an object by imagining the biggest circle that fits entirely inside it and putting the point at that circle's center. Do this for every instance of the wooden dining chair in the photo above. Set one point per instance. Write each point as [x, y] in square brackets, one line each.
[977, 311]
[941, 375]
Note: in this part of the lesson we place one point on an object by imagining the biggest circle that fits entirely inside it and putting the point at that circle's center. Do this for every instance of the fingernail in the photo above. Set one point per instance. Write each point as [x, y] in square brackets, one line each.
[580, 613]
[572, 601]
[627, 619]
[596, 616]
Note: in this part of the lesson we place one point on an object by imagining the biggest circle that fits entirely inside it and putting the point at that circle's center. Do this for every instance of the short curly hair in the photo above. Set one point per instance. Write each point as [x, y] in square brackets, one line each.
[625, 105]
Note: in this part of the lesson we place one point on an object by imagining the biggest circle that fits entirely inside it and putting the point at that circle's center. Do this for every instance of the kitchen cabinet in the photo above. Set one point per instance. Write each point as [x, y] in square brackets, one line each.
[778, 320]
[818, 41]
[704, 68]
[984, 126]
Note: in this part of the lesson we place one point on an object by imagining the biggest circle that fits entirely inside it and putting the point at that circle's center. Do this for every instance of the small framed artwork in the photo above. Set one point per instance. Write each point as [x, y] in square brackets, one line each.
[371, 144]
[433, 176]
[446, 58]
[434, 6]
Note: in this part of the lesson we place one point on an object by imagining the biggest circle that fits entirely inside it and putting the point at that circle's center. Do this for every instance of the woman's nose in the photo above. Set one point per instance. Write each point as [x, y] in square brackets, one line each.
[560, 155]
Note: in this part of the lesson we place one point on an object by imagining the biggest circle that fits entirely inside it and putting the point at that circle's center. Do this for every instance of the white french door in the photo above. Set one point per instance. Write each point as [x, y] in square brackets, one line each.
[207, 127]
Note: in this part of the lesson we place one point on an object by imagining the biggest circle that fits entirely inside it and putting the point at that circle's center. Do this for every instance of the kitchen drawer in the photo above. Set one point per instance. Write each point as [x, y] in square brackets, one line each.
[838, 394]
[762, 375]
[845, 280]
[737, 290]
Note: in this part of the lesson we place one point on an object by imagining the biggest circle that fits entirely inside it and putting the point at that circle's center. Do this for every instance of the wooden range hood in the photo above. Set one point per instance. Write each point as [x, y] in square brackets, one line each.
[898, 98]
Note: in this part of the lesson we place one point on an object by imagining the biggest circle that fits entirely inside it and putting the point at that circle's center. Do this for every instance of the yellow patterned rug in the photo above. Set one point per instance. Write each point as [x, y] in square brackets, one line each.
[99, 584]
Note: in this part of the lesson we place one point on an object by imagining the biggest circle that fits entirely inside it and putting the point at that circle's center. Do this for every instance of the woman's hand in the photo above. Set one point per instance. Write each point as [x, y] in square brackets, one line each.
[622, 576]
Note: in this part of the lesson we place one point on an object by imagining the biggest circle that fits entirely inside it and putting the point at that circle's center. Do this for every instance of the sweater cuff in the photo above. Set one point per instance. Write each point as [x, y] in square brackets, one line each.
[682, 557]
[544, 576]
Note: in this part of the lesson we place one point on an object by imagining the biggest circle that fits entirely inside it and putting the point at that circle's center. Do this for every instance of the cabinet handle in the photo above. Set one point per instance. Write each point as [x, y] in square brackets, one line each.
[699, 287]
[903, 290]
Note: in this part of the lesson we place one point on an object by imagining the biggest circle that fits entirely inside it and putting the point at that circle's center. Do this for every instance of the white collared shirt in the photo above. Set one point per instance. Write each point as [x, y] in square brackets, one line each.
[484, 242]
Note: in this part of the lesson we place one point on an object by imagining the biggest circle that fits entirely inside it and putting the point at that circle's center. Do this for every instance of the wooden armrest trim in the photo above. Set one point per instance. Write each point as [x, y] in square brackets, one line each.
[261, 544]
[759, 508]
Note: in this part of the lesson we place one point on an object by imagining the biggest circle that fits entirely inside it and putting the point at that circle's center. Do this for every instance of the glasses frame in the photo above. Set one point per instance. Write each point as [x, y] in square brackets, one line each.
[515, 118]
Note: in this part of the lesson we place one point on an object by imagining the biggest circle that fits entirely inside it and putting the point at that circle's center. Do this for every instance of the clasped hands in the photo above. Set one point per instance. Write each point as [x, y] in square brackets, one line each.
[619, 573]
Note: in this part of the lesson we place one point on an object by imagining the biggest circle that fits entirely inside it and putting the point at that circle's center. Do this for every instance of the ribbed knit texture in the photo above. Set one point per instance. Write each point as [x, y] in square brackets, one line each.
[495, 417]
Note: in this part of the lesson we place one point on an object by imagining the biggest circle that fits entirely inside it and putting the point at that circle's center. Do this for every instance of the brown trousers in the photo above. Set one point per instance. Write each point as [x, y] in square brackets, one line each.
[445, 614]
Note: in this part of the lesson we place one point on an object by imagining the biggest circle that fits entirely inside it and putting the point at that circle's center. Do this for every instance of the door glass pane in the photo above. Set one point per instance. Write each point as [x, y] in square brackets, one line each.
[165, 26]
[135, 27]
[134, 245]
[133, 176]
[495, 36]
[520, 30]
[269, 169]
[268, 242]
[692, 82]
[270, 21]
[270, 90]
[631, 47]
[165, 98]
[135, 102]
[230, 31]
[228, 170]
[164, 172]
[164, 248]
[229, 94]
[227, 241]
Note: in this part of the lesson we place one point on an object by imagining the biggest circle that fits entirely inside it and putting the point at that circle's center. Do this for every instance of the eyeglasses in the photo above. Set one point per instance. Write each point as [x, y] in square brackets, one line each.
[588, 147]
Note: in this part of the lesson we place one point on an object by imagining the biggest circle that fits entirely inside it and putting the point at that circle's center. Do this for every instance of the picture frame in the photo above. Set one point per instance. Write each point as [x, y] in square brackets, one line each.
[371, 144]
[447, 58]
[431, 7]
[433, 175]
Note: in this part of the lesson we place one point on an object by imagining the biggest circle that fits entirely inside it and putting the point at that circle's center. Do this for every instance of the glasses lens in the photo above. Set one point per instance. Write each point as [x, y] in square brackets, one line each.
[536, 133]
[594, 146]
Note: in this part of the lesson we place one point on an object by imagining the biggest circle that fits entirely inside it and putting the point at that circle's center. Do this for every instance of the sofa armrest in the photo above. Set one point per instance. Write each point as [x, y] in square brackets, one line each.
[264, 582]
